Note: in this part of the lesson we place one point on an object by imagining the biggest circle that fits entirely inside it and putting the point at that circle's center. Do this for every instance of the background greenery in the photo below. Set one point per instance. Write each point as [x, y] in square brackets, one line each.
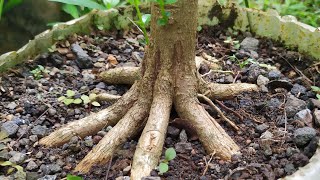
[307, 11]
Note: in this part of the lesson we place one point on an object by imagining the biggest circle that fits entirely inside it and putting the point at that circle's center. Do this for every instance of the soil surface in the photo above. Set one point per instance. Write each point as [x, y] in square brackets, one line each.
[279, 124]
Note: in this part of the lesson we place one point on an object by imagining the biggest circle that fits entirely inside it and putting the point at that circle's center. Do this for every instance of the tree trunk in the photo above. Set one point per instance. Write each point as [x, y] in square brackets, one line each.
[173, 49]
[167, 78]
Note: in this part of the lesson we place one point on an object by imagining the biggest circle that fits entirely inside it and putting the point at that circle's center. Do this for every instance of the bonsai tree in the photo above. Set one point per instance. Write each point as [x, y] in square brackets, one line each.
[168, 78]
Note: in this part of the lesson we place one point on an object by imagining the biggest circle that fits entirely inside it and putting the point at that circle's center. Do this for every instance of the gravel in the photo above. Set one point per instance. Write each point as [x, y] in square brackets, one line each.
[303, 136]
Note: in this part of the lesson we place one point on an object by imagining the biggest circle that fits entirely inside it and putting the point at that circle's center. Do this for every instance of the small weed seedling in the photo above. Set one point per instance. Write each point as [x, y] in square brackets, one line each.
[90, 99]
[72, 177]
[69, 99]
[247, 61]
[38, 72]
[235, 44]
[316, 89]
[170, 154]
[242, 64]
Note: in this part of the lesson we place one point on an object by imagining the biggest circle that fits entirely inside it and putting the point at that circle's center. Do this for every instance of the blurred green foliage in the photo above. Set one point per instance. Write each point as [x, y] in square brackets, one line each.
[307, 11]
[7, 5]
[77, 8]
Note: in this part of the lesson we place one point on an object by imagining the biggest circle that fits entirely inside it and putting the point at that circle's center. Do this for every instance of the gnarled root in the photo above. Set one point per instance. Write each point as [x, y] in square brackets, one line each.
[151, 141]
[210, 133]
[119, 134]
[224, 91]
[92, 123]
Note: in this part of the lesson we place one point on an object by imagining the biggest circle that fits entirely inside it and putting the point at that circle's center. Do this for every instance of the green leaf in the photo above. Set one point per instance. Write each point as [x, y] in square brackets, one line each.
[111, 3]
[68, 101]
[100, 27]
[20, 174]
[95, 103]
[318, 96]
[170, 154]
[146, 18]
[170, 1]
[71, 9]
[237, 46]
[77, 101]
[61, 98]
[1, 7]
[72, 177]
[3, 135]
[2, 147]
[315, 88]
[40, 67]
[161, 22]
[92, 96]
[222, 2]
[11, 4]
[85, 99]
[6, 140]
[131, 2]
[70, 93]
[199, 28]
[85, 3]
[163, 167]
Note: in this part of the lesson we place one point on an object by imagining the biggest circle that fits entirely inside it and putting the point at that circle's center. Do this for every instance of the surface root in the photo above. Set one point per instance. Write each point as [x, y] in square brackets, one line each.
[131, 122]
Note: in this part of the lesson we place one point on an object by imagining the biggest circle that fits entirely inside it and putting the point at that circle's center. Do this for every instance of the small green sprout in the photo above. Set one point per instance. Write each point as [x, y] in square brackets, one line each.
[39, 72]
[170, 154]
[316, 89]
[69, 99]
[90, 99]
[72, 177]
[234, 43]
[242, 64]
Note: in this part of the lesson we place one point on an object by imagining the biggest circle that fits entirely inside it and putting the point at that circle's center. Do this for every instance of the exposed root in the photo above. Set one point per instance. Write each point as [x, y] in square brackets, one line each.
[216, 71]
[121, 75]
[207, 164]
[107, 97]
[228, 109]
[224, 91]
[201, 61]
[120, 133]
[211, 134]
[128, 75]
[219, 111]
[149, 148]
[92, 123]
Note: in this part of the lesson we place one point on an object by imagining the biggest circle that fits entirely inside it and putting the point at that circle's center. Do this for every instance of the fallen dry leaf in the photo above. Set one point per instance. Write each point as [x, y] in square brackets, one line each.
[112, 60]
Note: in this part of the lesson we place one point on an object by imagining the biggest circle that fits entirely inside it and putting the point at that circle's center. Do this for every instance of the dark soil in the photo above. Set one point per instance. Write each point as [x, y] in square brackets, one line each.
[270, 120]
